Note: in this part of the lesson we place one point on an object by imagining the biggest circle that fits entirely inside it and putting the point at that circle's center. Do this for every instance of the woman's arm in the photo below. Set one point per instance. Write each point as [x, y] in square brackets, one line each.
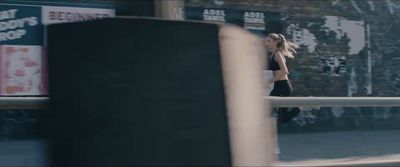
[283, 68]
[264, 59]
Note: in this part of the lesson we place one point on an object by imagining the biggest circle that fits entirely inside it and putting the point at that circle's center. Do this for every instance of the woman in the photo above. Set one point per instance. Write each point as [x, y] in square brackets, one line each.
[281, 49]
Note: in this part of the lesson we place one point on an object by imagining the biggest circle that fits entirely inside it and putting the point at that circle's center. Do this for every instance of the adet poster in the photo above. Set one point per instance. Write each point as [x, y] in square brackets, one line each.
[258, 22]
[22, 42]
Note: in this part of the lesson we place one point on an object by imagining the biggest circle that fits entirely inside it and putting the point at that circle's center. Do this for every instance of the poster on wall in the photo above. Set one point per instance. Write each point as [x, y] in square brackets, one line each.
[56, 14]
[205, 14]
[20, 25]
[258, 22]
[21, 70]
[254, 20]
[22, 40]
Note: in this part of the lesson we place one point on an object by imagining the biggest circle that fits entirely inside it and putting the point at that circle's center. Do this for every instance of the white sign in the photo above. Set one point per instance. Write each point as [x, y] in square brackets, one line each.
[53, 14]
[214, 15]
[254, 17]
[254, 20]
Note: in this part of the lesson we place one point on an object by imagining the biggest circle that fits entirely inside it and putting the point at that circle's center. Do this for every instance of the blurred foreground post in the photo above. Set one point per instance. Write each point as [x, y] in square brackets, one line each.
[250, 123]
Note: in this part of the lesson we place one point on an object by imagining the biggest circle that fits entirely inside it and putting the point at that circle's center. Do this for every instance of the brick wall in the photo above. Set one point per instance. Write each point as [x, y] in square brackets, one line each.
[333, 58]
[308, 76]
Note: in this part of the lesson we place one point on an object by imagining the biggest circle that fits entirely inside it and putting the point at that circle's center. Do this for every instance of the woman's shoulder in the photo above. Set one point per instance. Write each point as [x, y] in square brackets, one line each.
[278, 56]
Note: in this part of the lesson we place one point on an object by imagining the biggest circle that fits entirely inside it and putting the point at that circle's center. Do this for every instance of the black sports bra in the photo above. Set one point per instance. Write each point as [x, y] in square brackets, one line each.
[273, 65]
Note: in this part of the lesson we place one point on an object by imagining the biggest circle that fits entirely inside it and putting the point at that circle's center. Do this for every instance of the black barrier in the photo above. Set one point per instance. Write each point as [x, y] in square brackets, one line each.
[137, 92]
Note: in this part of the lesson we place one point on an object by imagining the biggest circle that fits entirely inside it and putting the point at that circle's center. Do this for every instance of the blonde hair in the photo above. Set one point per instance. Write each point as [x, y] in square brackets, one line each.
[284, 47]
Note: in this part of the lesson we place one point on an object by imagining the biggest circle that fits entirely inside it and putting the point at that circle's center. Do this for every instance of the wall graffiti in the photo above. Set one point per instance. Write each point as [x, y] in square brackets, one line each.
[370, 5]
[393, 73]
[352, 87]
[354, 3]
[344, 44]
[333, 65]
[302, 37]
[306, 116]
[351, 29]
[392, 7]
[332, 62]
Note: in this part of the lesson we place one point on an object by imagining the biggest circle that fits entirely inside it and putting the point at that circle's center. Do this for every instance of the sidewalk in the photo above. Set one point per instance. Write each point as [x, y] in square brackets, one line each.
[22, 153]
[339, 147]
[324, 149]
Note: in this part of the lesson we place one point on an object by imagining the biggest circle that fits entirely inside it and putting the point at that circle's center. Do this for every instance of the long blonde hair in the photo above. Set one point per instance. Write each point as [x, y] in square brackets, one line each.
[284, 47]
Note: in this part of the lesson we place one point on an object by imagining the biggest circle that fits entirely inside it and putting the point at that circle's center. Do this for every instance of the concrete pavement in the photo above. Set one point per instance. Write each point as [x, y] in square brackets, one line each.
[305, 149]
[340, 148]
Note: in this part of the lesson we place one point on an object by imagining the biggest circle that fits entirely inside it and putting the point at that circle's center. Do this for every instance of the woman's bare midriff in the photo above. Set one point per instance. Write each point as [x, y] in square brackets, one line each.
[285, 77]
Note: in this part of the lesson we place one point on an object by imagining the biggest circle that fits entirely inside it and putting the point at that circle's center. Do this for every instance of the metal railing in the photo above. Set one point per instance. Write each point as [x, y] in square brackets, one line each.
[42, 102]
[23, 102]
[336, 102]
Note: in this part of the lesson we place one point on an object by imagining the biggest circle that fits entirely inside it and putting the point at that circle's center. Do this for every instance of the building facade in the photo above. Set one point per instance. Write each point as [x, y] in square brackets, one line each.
[347, 48]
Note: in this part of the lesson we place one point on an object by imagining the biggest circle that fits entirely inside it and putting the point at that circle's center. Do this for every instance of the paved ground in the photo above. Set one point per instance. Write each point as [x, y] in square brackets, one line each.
[320, 149]
[22, 153]
[339, 147]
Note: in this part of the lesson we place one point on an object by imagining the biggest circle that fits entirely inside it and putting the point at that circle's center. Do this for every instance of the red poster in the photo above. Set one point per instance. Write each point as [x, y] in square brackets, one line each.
[22, 71]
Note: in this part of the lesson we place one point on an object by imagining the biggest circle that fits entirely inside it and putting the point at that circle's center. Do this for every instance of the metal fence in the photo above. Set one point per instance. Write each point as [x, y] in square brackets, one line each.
[336, 102]
[42, 103]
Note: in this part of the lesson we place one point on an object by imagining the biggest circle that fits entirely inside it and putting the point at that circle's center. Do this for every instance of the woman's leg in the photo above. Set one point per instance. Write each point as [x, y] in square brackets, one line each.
[286, 114]
[275, 92]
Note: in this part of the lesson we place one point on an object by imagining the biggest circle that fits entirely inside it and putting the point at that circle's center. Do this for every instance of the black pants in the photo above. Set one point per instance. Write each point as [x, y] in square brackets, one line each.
[283, 88]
